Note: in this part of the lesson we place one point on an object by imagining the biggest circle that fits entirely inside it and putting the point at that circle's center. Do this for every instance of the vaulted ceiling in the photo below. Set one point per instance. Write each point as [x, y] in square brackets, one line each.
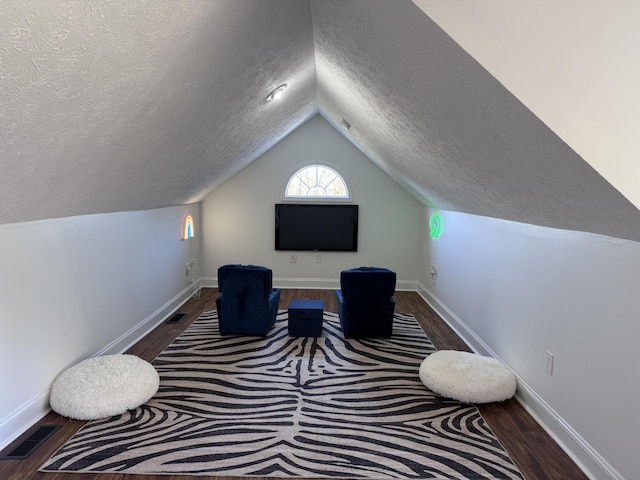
[138, 105]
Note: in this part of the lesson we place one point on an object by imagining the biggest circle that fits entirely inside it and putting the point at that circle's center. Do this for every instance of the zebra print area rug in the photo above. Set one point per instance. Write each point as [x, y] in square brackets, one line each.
[279, 406]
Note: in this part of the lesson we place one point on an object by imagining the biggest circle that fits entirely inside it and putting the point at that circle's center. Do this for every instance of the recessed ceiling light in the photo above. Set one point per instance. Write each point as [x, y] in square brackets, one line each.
[276, 93]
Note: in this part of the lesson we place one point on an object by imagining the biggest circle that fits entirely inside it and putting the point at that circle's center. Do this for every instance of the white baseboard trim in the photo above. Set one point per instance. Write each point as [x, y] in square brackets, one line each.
[24, 417]
[209, 282]
[137, 332]
[581, 452]
[312, 283]
[588, 459]
[306, 283]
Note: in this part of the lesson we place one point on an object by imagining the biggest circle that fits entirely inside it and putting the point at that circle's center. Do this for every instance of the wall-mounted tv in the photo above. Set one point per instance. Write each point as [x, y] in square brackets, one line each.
[323, 228]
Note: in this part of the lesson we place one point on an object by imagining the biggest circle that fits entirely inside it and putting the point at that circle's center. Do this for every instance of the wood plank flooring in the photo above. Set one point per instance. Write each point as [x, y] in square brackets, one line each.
[531, 448]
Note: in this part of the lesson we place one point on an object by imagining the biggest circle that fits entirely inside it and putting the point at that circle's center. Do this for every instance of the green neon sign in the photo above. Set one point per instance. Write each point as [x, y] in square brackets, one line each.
[435, 225]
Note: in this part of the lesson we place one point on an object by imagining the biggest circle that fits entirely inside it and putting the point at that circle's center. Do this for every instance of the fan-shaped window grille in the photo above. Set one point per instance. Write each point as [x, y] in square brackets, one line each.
[316, 181]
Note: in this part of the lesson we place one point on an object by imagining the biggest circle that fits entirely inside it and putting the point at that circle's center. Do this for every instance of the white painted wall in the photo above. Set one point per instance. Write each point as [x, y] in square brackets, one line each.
[238, 216]
[515, 291]
[74, 287]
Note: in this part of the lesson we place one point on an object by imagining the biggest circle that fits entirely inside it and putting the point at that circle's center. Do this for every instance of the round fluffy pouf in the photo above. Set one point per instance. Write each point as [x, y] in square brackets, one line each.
[103, 386]
[467, 377]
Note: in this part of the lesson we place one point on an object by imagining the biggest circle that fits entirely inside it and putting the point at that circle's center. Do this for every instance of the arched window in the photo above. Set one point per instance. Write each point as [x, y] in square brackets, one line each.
[316, 181]
[187, 227]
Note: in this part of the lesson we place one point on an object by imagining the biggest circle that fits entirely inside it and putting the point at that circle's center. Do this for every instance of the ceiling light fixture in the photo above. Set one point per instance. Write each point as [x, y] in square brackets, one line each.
[276, 93]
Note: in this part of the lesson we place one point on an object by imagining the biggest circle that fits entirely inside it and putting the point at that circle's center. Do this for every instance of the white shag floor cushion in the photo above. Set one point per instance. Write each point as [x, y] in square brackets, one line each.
[103, 386]
[467, 377]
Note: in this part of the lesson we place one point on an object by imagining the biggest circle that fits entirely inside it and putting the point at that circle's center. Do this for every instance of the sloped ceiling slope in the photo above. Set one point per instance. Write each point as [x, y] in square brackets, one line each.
[436, 121]
[136, 105]
[128, 105]
[574, 63]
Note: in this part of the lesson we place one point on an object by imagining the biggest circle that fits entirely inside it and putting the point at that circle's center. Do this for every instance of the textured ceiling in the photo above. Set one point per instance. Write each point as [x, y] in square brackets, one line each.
[564, 60]
[136, 105]
[124, 105]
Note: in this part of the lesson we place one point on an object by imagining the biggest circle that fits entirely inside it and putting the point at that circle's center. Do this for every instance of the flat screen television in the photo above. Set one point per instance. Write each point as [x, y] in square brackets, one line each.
[322, 228]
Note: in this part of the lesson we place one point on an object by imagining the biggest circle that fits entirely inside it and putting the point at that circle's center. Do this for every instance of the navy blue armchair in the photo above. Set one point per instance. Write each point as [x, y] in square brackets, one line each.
[366, 303]
[247, 303]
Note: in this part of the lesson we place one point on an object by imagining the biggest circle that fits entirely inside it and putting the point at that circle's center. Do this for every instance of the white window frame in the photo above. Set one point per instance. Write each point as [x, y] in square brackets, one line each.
[296, 175]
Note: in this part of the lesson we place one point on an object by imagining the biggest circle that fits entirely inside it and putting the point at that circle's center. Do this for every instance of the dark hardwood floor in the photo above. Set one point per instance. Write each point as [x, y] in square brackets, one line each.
[531, 448]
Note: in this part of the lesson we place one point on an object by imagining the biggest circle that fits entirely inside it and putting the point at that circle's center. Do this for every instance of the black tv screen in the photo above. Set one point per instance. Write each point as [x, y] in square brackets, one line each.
[324, 228]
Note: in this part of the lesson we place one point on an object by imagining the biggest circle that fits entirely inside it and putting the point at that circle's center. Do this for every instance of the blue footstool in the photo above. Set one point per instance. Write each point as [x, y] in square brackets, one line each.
[305, 318]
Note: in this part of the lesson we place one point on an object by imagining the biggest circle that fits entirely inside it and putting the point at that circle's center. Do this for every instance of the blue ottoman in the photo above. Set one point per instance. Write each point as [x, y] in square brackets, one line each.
[305, 318]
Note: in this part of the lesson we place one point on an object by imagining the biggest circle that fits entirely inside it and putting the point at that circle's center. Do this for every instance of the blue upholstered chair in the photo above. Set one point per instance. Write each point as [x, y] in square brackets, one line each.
[366, 303]
[247, 303]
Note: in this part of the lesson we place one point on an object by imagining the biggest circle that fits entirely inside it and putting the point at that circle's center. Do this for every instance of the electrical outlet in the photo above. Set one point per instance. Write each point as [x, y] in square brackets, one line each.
[434, 273]
[293, 258]
[548, 367]
[318, 258]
